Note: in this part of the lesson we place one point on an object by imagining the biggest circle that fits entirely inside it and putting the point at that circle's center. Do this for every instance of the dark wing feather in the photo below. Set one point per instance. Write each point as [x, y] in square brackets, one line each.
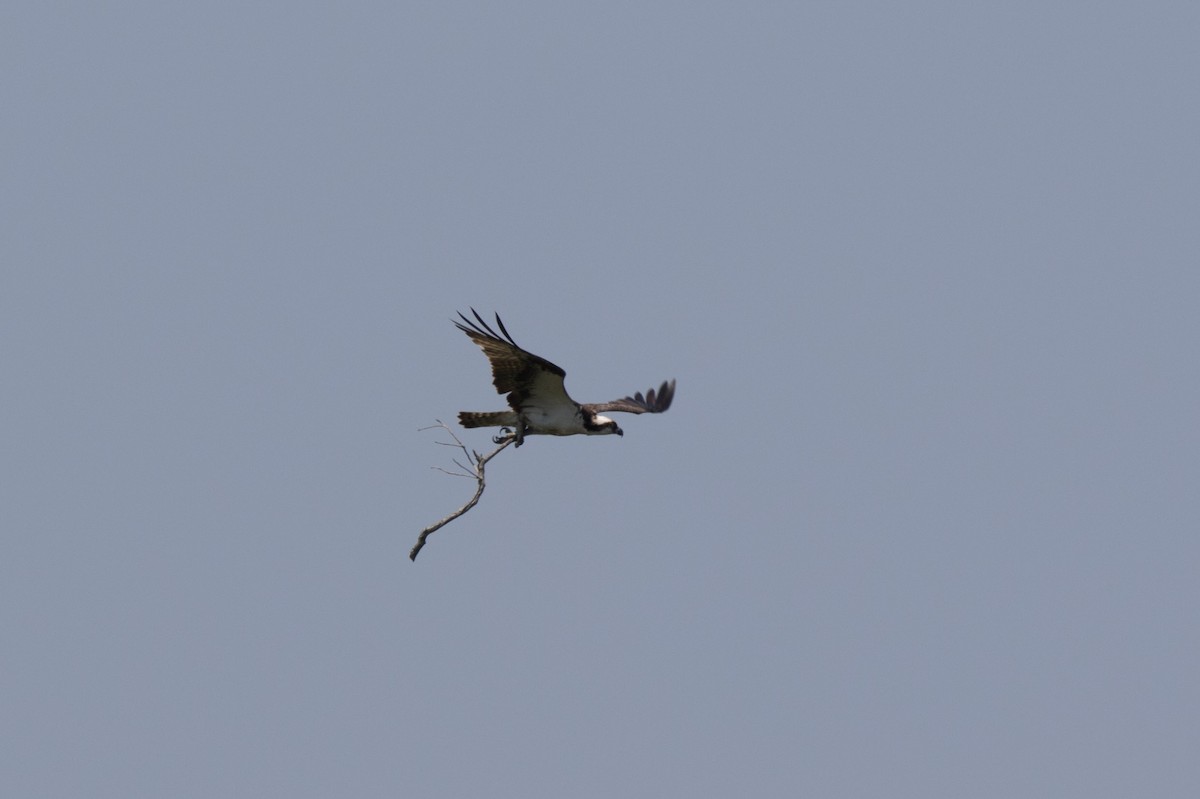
[651, 403]
[522, 375]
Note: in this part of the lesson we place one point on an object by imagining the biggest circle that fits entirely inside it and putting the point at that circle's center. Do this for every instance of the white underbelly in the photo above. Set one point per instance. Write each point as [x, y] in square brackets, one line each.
[555, 422]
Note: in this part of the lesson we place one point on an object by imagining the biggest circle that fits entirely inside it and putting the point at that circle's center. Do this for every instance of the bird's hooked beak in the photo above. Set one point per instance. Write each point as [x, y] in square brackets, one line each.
[620, 432]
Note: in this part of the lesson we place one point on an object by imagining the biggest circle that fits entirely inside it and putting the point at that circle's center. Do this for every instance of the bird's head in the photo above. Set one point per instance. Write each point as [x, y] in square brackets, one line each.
[606, 426]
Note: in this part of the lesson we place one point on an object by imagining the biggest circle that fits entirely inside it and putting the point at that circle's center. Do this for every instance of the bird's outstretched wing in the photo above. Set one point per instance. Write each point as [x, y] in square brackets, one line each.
[653, 402]
[525, 377]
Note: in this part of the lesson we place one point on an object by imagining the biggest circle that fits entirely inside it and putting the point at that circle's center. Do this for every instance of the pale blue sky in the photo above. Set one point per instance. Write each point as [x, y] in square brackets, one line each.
[921, 523]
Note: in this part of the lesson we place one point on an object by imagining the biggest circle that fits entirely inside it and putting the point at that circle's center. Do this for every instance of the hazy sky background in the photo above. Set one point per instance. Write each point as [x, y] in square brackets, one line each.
[922, 521]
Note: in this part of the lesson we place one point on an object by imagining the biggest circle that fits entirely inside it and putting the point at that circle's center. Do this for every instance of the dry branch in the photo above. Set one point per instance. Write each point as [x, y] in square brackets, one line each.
[473, 468]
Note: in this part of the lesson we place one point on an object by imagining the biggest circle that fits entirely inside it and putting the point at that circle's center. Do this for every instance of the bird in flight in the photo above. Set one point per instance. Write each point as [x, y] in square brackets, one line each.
[537, 398]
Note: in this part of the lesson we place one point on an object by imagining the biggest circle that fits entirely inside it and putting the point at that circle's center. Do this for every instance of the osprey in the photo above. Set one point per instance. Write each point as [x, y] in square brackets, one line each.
[536, 394]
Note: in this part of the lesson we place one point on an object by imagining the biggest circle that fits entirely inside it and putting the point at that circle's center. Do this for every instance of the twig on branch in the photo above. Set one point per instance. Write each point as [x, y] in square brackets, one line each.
[473, 469]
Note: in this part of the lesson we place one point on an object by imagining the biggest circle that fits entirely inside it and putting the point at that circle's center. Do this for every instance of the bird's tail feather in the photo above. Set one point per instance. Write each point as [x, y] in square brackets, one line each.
[495, 419]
